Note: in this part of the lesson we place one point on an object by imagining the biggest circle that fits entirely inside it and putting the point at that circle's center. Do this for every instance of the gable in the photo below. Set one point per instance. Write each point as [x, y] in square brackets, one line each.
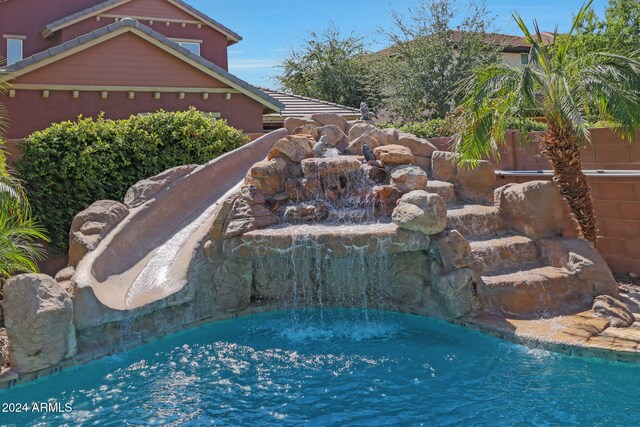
[124, 60]
[145, 9]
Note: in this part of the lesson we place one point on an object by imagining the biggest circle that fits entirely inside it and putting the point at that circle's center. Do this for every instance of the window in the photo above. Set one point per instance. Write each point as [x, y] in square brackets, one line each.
[192, 47]
[14, 50]
[524, 58]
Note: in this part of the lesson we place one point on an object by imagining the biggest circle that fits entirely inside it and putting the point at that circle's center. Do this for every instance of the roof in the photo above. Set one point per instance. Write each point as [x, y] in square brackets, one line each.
[58, 52]
[299, 106]
[509, 43]
[51, 28]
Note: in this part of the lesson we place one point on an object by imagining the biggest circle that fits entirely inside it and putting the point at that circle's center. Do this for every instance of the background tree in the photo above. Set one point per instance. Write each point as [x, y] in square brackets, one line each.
[332, 67]
[561, 81]
[620, 26]
[429, 58]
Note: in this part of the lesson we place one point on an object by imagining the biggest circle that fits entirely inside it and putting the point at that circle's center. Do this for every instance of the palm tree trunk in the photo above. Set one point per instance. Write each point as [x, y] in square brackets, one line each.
[563, 152]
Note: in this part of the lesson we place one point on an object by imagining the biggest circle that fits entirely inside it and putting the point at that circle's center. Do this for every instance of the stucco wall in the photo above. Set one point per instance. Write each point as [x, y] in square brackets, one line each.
[29, 112]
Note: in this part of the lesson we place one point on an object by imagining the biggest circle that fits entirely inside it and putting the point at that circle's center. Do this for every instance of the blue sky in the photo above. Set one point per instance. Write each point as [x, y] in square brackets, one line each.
[272, 28]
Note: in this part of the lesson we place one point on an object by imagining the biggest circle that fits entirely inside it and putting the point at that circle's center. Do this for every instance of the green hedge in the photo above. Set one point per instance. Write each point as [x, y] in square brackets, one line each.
[68, 166]
[440, 127]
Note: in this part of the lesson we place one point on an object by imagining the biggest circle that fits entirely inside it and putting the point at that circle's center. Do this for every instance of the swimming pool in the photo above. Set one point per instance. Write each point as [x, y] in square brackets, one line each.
[335, 367]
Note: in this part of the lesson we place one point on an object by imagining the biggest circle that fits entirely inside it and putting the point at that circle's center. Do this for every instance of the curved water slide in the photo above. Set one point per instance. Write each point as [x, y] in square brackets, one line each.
[147, 257]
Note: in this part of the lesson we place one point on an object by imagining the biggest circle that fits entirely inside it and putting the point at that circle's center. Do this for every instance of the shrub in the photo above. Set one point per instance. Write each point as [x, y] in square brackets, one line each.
[69, 165]
[442, 127]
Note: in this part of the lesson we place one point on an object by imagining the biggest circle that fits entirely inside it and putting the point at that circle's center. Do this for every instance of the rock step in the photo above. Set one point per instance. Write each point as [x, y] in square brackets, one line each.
[543, 291]
[445, 189]
[503, 254]
[476, 221]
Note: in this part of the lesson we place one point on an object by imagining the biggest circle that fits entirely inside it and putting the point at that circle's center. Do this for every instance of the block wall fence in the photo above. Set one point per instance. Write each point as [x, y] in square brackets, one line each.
[616, 198]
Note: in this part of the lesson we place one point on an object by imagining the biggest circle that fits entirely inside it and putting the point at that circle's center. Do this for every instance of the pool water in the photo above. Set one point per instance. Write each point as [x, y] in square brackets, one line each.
[335, 368]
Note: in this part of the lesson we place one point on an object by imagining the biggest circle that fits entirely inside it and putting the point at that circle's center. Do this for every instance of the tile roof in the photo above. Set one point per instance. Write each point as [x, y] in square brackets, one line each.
[508, 42]
[241, 85]
[52, 27]
[298, 106]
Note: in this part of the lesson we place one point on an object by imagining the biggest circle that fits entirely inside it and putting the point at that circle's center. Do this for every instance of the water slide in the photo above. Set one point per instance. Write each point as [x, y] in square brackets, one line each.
[146, 258]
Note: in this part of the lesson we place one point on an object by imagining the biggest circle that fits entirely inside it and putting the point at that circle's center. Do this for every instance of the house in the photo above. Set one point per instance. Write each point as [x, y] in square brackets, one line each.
[300, 106]
[514, 49]
[120, 57]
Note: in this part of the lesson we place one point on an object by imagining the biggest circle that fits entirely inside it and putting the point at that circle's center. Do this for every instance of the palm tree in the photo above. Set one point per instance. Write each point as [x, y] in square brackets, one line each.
[562, 84]
[20, 249]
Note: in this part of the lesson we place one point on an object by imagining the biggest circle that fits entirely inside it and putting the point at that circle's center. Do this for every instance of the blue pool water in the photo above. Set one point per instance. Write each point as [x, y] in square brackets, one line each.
[335, 368]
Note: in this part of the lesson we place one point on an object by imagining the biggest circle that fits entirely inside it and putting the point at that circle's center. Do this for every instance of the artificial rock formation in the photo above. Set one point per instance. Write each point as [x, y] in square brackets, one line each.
[38, 314]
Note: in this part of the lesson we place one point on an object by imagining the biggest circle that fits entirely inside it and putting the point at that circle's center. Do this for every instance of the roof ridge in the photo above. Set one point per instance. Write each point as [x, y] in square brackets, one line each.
[49, 28]
[306, 98]
[130, 22]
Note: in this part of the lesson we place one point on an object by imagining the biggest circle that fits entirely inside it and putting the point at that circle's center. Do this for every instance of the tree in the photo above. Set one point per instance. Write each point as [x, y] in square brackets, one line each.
[561, 82]
[19, 233]
[620, 26]
[331, 67]
[429, 59]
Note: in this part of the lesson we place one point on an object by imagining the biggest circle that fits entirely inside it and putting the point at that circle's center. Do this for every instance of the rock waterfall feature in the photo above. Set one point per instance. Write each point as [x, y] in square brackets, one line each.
[281, 223]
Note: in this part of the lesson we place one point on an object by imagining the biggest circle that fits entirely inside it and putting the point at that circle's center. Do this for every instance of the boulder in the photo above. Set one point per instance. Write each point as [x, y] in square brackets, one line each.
[374, 173]
[408, 178]
[294, 149]
[613, 310]
[394, 155]
[385, 198]
[533, 208]
[334, 136]
[355, 146]
[443, 165]
[292, 123]
[303, 189]
[268, 175]
[421, 211]
[324, 167]
[312, 131]
[478, 183]
[91, 225]
[144, 190]
[452, 250]
[392, 136]
[249, 213]
[38, 315]
[423, 162]
[418, 146]
[364, 128]
[65, 278]
[457, 290]
[326, 119]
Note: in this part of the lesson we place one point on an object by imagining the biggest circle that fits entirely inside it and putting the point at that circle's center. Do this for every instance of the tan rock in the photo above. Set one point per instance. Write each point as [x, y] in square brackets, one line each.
[423, 162]
[91, 225]
[268, 175]
[323, 167]
[334, 136]
[418, 146]
[375, 173]
[355, 146]
[310, 130]
[443, 165]
[408, 178]
[476, 184]
[452, 250]
[292, 123]
[392, 135]
[385, 198]
[326, 119]
[303, 189]
[394, 155]
[249, 213]
[294, 149]
[457, 291]
[421, 211]
[38, 315]
[144, 190]
[533, 209]
[613, 310]
[364, 128]
[232, 285]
